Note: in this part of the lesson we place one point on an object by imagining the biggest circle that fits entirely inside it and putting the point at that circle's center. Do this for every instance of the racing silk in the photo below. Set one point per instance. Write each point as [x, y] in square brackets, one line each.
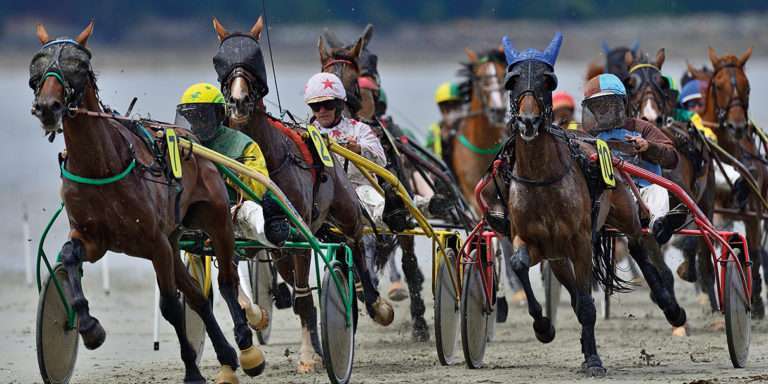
[619, 134]
[695, 119]
[237, 145]
[370, 146]
[434, 140]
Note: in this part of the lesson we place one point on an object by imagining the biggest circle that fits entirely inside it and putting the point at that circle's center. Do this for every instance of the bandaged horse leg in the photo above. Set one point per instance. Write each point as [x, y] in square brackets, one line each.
[664, 299]
[518, 294]
[72, 257]
[520, 264]
[310, 352]
[257, 317]
[369, 244]
[379, 309]
[415, 280]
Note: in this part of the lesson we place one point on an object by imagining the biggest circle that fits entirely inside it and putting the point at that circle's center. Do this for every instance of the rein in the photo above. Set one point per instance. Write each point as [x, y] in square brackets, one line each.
[645, 79]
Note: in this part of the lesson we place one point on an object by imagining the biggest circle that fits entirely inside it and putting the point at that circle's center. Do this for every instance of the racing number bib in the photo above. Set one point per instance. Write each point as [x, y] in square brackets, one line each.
[606, 163]
[320, 148]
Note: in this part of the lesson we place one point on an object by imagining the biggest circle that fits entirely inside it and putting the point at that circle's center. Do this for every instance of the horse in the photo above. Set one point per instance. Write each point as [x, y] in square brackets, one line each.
[134, 208]
[614, 61]
[649, 99]
[550, 204]
[319, 194]
[726, 112]
[349, 62]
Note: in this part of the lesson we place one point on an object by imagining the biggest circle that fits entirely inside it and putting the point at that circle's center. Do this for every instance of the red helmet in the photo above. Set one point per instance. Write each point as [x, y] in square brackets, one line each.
[561, 99]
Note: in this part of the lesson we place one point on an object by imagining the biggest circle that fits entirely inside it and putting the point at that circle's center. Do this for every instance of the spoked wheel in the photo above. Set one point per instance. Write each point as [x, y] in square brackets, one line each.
[193, 324]
[738, 319]
[446, 311]
[56, 342]
[261, 275]
[551, 292]
[475, 315]
[338, 334]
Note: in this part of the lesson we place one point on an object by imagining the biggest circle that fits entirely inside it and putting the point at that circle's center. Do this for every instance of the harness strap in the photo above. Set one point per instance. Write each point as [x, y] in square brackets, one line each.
[643, 65]
[93, 181]
[300, 143]
[480, 151]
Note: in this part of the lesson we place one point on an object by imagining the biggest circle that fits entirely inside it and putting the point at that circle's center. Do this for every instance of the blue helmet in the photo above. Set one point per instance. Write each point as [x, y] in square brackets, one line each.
[691, 91]
[605, 84]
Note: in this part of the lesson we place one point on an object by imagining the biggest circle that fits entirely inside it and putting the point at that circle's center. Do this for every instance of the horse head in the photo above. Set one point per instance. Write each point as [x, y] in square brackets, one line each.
[59, 74]
[345, 61]
[239, 64]
[486, 75]
[727, 99]
[649, 91]
[530, 81]
[615, 59]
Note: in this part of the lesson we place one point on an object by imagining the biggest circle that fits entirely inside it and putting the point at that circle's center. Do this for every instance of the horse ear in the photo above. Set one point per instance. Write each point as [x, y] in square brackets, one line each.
[713, 56]
[553, 49]
[257, 28]
[606, 48]
[367, 35]
[82, 38]
[629, 58]
[635, 46]
[696, 73]
[357, 48]
[471, 55]
[745, 56]
[220, 31]
[660, 56]
[42, 34]
[324, 54]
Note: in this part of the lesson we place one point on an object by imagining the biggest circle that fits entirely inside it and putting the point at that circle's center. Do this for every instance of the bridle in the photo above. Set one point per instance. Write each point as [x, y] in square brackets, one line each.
[251, 102]
[479, 88]
[644, 72]
[336, 67]
[72, 96]
[736, 98]
[520, 124]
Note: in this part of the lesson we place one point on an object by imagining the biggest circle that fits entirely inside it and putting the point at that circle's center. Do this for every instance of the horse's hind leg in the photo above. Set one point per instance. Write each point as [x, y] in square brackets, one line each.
[542, 326]
[72, 256]
[380, 311]
[310, 352]
[753, 241]
[585, 308]
[706, 273]
[657, 259]
[415, 280]
[170, 307]
[664, 299]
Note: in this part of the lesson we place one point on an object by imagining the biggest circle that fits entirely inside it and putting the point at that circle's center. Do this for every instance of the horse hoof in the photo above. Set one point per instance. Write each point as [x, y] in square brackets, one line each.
[684, 272]
[252, 360]
[597, 371]
[544, 330]
[257, 317]
[226, 375]
[383, 313]
[677, 319]
[308, 365]
[420, 331]
[519, 298]
[681, 331]
[93, 336]
[758, 310]
[502, 309]
[397, 291]
[194, 381]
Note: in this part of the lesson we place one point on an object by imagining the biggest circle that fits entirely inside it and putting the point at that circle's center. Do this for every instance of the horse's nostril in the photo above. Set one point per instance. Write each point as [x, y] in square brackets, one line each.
[56, 106]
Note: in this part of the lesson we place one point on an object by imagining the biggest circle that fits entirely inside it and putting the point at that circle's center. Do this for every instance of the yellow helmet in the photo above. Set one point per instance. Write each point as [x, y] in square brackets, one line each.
[447, 92]
[202, 93]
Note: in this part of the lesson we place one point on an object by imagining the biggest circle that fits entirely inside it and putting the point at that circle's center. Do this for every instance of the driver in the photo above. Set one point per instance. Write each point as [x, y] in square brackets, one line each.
[202, 109]
[604, 115]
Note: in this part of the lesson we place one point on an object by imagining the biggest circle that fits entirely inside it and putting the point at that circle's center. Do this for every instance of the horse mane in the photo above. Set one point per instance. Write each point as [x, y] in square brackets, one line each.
[466, 72]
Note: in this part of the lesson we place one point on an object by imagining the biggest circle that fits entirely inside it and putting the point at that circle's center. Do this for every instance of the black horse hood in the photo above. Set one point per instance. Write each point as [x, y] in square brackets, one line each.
[241, 50]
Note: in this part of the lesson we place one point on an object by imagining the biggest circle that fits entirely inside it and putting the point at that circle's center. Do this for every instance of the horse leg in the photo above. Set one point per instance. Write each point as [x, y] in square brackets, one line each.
[542, 326]
[753, 241]
[415, 280]
[687, 270]
[657, 258]
[518, 295]
[706, 273]
[303, 306]
[170, 307]
[585, 307]
[73, 253]
[379, 309]
[664, 299]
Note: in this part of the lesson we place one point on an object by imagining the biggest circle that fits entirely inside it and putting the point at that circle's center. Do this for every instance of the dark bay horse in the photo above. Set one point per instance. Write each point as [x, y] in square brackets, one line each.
[550, 204]
[349, 62]
[319, 194]
[726, 112]
[142, 213]
[614, 61]
[649, 99]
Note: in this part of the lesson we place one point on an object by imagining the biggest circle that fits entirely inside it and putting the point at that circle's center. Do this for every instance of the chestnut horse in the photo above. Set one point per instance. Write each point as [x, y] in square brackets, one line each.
[319, 194]
[726, 112]
[349, 62]
[140, 213]
[550, 205]
[649, 99]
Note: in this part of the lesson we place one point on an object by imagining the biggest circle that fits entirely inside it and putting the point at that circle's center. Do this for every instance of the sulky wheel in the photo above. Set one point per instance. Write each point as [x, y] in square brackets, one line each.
[261, 274]
[193, 324]
[476, 315]
[738, 319]
[56, 341]
[338, 333]
[446, 311]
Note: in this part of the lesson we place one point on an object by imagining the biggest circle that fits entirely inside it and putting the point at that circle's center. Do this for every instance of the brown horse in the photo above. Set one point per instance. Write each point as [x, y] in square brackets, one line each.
[550, 205]
[140, 214]
[479, 135]
[726, 112]
[614, 61]
[349, 62]
[649, 99]
[318, 194]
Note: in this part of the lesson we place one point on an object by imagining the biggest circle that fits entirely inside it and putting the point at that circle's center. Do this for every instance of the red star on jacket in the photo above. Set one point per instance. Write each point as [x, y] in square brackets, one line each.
[327, 84]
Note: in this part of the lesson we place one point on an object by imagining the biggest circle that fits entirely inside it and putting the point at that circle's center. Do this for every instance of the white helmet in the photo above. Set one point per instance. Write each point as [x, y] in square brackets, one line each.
[324, 86]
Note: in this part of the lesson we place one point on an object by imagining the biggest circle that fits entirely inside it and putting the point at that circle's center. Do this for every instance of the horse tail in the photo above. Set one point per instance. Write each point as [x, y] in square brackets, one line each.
[604, 264]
